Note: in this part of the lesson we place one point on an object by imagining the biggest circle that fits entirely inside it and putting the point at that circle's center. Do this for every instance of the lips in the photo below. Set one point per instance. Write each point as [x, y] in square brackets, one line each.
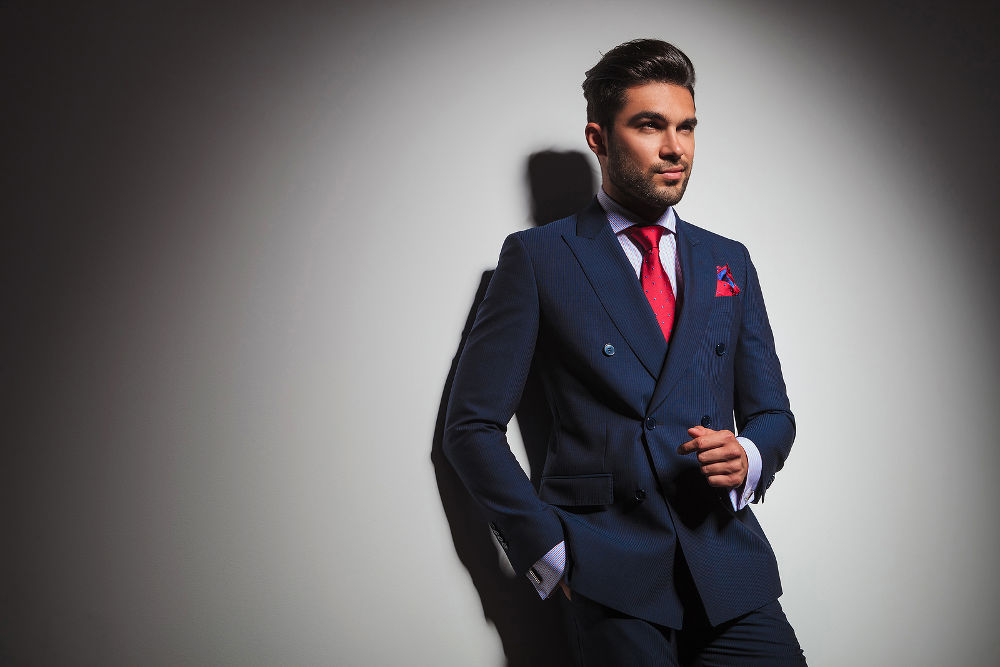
[673, 174]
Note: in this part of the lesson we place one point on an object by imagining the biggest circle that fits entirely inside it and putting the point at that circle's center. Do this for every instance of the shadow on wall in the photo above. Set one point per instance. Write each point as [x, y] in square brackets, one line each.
[533, 632]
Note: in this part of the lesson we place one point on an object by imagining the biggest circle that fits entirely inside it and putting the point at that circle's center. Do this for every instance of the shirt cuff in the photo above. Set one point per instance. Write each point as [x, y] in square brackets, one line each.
[742, 495]
[546, 573]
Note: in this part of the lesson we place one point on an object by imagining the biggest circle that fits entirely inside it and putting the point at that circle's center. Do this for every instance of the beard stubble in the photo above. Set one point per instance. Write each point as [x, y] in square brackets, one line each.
[629, 179]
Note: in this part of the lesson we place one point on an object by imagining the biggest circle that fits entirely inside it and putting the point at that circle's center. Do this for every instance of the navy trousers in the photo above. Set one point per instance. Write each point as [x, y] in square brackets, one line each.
[607, 638]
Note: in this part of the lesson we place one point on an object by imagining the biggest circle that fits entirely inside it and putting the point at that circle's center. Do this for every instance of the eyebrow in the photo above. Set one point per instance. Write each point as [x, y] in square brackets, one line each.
[655, 115]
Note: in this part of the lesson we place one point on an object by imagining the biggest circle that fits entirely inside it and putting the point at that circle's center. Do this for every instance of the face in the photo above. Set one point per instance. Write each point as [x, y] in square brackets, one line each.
[647, 155]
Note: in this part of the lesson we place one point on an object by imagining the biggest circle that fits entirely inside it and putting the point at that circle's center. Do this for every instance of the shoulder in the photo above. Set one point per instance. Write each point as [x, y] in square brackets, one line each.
[726, 252]
[697, 234]
[731, 255]
[553, 229]
[547, 234]
[589, 222]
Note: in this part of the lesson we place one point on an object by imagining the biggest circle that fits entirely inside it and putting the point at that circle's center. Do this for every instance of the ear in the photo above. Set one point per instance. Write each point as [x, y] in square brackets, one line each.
[596, 139]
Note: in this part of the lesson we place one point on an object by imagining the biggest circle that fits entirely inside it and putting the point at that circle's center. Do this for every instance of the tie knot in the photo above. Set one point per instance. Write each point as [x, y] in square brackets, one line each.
[646, 237]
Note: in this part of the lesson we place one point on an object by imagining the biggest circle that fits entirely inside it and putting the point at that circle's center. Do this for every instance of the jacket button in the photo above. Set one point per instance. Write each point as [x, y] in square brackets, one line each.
[609, 350]
[706, 421]
[720, 349]
[640, 495]
[650, 423]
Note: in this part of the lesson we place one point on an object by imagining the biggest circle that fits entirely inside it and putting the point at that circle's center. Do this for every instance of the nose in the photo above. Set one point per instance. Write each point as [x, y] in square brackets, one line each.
[671, 146]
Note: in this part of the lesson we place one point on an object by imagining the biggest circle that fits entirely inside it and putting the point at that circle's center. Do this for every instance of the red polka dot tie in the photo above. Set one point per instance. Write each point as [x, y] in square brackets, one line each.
[654, 279]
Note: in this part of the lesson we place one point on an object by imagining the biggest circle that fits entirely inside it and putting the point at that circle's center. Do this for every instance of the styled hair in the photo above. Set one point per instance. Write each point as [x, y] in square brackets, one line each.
[633, 63]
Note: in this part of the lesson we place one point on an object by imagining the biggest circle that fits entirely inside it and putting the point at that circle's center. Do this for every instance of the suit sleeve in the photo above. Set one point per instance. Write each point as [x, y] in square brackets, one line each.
[487, 389]
[761, 404]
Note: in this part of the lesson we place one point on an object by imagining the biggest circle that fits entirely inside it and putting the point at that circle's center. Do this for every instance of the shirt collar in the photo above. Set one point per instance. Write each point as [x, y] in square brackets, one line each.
[621, 218]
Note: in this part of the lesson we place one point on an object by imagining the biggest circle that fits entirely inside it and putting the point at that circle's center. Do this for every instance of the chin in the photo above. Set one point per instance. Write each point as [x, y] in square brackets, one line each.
[672, 194]
[668, 198]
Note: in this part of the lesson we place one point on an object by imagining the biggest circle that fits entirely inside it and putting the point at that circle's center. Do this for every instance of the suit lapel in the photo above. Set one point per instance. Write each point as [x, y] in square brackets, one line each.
[698, 271]
[613, 279]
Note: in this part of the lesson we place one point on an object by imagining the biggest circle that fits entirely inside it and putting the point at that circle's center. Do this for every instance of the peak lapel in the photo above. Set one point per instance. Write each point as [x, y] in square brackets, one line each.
[698, 271]
[613, 279]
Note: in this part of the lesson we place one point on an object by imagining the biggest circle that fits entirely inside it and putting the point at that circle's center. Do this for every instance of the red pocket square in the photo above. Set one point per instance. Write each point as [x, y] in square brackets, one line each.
[725, 285]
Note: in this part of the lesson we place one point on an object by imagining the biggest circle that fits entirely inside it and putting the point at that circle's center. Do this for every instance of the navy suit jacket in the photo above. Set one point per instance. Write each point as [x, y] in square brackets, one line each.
[565, 301]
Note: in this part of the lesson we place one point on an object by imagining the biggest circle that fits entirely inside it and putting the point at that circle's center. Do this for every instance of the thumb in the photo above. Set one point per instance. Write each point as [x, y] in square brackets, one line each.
[695, 431]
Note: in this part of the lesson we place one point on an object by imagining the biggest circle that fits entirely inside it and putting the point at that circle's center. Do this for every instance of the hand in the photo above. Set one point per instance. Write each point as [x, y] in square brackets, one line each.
[722, 458]
[565, 589]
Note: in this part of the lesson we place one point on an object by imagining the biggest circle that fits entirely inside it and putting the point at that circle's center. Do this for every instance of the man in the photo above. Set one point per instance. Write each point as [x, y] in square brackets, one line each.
[651, 339]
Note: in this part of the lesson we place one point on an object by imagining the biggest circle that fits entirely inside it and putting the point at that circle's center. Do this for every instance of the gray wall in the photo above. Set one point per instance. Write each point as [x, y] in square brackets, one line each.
[241, 245]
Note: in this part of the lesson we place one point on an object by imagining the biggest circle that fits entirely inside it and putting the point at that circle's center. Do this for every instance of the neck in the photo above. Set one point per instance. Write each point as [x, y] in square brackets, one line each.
[637, 209]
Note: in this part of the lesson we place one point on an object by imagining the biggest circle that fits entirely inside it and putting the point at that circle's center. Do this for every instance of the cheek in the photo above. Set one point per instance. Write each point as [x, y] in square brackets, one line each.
[646, 155]
[631, 160]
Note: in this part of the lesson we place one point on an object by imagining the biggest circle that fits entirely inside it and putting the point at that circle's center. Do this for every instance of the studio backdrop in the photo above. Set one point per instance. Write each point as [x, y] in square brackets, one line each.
[241, 244]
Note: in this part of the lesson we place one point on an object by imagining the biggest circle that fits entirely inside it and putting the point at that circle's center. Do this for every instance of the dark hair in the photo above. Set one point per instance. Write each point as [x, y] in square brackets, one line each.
[631, 64]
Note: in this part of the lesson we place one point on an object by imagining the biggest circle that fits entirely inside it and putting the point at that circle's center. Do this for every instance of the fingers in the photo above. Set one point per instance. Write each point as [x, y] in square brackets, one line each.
[702, 439]
[565, 589]
[693, 445]
[725, 481]
[720, 454]
[727, 468]
[727, 474]
[705, 439]
[722, 458]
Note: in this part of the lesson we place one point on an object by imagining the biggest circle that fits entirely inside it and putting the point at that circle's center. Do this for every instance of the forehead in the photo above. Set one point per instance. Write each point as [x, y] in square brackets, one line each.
[667, 99]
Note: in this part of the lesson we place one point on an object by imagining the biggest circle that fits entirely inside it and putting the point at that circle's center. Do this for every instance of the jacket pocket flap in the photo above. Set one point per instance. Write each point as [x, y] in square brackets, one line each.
[572, 490]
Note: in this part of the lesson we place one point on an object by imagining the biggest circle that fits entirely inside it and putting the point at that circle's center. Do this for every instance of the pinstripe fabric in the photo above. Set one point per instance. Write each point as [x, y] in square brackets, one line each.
[613, 489]
[621, 219]
[548, 570]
